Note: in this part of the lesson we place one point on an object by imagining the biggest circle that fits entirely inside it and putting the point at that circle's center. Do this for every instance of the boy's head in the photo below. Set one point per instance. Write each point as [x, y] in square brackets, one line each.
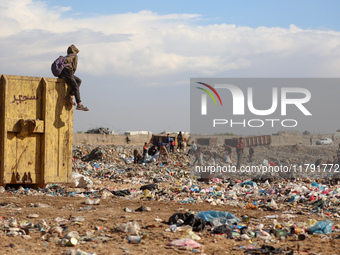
[72, 50]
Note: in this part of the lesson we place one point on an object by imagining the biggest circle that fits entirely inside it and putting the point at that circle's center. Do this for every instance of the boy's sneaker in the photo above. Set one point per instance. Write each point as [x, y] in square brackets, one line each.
[70, 99]
[82, 108]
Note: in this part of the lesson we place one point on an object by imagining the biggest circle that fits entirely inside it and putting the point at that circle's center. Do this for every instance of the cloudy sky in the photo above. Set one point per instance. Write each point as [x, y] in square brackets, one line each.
[137, 57]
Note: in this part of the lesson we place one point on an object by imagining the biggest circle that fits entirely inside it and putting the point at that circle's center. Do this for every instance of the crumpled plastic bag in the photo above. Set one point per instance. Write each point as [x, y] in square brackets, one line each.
[187, 242]
[88, 201]
[249, 183]
[78, 252]
[81, 181]
[150, 187]
[265, 162]
[189, 234]
[225, 217]
[130, 227]
[266, 249]
[222, 229]
[197, 223]
[273, 203]
[178, 216]
[96, 153]
[322, 227]
[216, 180]
[314, 184]
[154, 158]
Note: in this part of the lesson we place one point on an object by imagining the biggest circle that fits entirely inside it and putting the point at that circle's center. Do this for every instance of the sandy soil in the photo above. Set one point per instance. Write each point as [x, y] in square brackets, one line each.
[111, 211]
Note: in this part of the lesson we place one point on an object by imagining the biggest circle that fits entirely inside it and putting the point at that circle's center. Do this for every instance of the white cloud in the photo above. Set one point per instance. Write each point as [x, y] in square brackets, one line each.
[146, 44]
[138, 56]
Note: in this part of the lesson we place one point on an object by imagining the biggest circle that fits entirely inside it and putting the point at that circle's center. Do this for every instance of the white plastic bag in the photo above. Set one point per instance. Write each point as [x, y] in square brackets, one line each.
[81, 181]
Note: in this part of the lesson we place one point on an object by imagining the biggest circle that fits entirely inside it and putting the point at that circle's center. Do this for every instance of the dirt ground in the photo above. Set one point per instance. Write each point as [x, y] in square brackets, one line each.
[102, 219]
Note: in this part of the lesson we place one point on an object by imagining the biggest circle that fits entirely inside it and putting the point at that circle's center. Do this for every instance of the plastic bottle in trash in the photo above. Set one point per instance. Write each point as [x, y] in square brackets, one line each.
[173, 228]
[134, 239]
[296, 230]
[271, 216]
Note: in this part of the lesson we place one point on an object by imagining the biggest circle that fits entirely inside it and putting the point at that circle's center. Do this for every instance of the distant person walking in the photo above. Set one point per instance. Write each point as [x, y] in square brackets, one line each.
[193, 148]
[239, 151]
[228, 154]
[338, 155]
[145, 151]
[168, 141]
[159, 143]
[172, 145]
[179, 140]
[198, 157]
[318, 162]
[251, 154]
[184, 145]
[73, 81]
[137, 156]
[311, 140]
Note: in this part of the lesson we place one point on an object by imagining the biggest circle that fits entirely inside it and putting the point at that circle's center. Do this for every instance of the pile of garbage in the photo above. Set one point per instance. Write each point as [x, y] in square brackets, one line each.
[268, 210]
[248, 228]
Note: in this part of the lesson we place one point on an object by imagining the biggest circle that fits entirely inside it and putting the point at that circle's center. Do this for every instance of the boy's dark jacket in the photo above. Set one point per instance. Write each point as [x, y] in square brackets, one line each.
[73, 60]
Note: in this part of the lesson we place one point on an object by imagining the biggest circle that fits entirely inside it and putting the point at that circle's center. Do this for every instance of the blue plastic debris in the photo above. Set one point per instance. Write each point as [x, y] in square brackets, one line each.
[227, 217]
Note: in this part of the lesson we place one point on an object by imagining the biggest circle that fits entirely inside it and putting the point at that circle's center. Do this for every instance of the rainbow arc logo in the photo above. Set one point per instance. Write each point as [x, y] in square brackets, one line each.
[204, 97]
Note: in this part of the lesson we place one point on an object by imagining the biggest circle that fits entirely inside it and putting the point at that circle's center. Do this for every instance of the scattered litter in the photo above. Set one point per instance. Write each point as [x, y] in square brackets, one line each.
[185, 243]
[255, 212]
[130, 227]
